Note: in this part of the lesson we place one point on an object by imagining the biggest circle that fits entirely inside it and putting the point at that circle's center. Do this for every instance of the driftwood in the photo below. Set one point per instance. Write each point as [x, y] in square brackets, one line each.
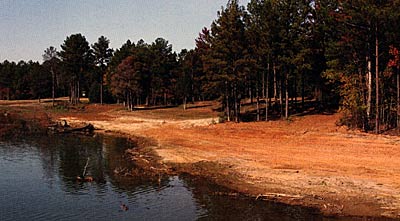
[84, 177]
[277, 195]
[87, 128]
[86, 165]
[64, 128]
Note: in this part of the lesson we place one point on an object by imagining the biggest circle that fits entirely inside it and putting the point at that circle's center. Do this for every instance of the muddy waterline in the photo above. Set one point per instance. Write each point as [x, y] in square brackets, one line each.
[38, 182]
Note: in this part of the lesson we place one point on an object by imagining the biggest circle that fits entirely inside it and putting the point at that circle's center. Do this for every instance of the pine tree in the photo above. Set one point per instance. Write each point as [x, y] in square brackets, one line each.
[102, 55]
[226, 62]
[162, 68]
[51, 59]
[77, 58]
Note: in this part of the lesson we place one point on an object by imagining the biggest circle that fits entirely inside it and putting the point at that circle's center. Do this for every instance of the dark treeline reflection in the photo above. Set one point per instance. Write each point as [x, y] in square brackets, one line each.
[104, 156]
[39, 182]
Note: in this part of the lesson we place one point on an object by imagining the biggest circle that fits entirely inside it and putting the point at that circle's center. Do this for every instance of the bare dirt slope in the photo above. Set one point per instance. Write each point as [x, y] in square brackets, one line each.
[307, 161]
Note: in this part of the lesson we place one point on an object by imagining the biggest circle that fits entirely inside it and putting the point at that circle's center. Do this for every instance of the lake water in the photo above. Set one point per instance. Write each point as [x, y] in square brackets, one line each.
[38, 182]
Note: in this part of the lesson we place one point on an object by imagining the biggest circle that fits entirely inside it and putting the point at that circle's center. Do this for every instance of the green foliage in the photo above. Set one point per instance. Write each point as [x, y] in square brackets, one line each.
[77, 60]
[76, 55]
[324, 50]
[94, 95]
[185, 85]
[148, 73]
[102, 53]
[25, 80]
[351, 55]
[102, 57]
[226, 61]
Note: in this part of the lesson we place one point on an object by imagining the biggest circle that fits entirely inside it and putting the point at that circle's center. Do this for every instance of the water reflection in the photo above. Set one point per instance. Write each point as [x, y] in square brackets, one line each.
[39, 182]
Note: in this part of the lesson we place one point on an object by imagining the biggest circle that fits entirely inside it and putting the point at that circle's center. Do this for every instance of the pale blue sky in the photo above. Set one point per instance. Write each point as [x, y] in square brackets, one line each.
[28, 27]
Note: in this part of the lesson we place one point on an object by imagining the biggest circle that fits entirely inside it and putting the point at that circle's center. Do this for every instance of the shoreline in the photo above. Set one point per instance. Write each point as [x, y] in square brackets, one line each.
[207, 152]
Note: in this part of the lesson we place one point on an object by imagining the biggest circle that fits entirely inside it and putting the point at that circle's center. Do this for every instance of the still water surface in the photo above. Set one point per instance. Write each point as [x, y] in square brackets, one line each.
[38, 182]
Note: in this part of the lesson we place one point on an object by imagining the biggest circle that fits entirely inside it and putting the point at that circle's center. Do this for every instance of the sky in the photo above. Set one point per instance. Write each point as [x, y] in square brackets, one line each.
[28, 27]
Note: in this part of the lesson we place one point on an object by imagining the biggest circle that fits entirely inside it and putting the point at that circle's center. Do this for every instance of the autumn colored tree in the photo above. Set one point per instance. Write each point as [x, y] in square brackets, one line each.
[359, 51]
[154, 66]
[126, 82]
[394, 65]
[118, 56]
[331, 52]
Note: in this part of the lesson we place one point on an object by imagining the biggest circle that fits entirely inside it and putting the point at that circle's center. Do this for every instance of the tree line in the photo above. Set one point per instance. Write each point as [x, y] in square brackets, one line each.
[282, 57]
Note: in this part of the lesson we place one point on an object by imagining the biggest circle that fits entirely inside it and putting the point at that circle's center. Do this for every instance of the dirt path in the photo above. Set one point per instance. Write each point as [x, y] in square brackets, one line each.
[308, 161]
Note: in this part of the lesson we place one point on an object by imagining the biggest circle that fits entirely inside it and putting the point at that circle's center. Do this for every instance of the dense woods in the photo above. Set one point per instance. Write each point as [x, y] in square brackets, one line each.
[268, 60]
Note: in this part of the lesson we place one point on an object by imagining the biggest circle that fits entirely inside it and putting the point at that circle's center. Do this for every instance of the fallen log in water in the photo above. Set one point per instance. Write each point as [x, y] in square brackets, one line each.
[64, 128]
[87, 128]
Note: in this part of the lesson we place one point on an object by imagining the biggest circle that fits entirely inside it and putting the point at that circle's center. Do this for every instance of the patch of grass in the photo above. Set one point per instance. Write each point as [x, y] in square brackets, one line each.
[289, 119]
[222, 118]
[58, 108]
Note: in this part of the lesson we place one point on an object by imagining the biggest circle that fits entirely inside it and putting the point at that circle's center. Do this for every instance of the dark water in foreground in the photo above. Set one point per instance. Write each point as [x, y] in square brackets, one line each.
[38, 182]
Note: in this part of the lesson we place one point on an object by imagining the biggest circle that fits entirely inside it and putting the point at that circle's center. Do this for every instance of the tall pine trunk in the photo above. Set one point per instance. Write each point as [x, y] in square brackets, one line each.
[287, 96]
[281, 98]
[258, 101]
[376, 79]
[369, 89]
[302, 91]
[275, 86]
[78, 89]
[295, 93]
[228, 112]
[53, 86]
[251, 94]
[71, 92]
[101, 89]
[267, 97]
[74, 85]
[165, 98]
[235, 96]
[398, 96]
[184, 102]
[263, 83]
